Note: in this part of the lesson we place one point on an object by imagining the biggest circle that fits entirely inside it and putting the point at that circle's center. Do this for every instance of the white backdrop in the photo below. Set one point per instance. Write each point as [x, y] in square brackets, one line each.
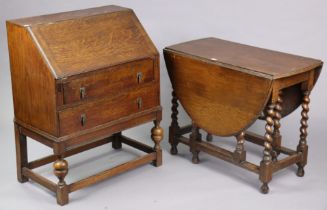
[292, 26]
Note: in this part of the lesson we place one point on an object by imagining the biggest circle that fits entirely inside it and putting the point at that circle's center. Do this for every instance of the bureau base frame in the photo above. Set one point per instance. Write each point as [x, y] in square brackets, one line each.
[61, 189]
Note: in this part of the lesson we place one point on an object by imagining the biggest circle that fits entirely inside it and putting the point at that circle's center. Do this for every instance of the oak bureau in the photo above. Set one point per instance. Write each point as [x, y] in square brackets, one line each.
[79, 79]
[225, 87]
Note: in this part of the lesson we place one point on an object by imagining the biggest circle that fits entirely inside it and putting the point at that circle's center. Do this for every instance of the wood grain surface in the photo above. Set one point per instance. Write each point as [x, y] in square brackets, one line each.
[76, 46]
[103, 111]
[108, 81]
[252, 60]
[219, 100]
[33, 85]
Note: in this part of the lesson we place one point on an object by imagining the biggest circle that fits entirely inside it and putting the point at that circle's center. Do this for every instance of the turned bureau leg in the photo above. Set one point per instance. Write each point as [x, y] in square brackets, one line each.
[116, 142]
[239, 153]
[174, 127]
[60, 170]
[209, 137]
[302, 146]
[266, 164]
[277, 138]
[21, 154]
[157, 136]
[194, 137]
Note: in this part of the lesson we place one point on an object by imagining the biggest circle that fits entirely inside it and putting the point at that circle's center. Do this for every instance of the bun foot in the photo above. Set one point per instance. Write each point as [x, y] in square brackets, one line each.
[173, 150]
[209, 137]
[300, 172]
[195, 160]
[264, 188]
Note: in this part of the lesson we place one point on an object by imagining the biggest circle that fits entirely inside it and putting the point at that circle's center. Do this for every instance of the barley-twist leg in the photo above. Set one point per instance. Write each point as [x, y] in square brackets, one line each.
[194, 137]
[277, 138]
[266, 163]
[302, 146]
[239, 153]
[174, 127]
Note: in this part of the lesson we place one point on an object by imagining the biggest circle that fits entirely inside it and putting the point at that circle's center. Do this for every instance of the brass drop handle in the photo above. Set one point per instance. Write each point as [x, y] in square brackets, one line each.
[139, 102]
[139, 76]
[83, 119]
[82, 92]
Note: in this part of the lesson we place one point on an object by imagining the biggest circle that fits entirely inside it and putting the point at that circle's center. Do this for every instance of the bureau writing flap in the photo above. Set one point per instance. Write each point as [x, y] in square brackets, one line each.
[87, 40]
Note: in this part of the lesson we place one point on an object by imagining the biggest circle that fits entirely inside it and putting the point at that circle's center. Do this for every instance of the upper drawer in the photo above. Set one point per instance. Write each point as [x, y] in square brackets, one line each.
[108, 81]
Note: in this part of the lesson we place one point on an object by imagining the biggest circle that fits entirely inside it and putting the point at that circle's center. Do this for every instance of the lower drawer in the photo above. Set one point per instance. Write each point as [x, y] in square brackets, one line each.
[92, 114]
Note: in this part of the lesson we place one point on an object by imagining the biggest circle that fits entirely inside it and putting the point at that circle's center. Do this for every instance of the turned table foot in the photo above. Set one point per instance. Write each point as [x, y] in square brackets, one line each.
[116, 141]
[264, 188]
[209, 137]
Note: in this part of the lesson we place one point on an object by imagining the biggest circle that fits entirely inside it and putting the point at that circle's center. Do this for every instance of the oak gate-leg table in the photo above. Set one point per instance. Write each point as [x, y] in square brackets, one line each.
[225, 87]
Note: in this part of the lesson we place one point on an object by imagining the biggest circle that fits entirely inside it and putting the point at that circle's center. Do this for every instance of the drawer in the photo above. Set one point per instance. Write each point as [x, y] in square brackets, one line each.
[91, 114]
[108, 81]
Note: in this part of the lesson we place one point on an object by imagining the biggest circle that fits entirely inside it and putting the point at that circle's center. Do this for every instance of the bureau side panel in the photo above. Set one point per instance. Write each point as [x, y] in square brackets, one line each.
[33, 85]
[219, 100]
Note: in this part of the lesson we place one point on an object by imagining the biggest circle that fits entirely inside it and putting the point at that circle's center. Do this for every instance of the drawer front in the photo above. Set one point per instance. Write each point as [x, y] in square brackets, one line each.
[109, 81]
[92, 114]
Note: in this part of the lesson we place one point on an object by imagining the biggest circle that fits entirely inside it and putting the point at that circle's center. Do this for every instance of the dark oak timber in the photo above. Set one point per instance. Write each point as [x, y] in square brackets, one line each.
[225, 87]
[79, 79]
